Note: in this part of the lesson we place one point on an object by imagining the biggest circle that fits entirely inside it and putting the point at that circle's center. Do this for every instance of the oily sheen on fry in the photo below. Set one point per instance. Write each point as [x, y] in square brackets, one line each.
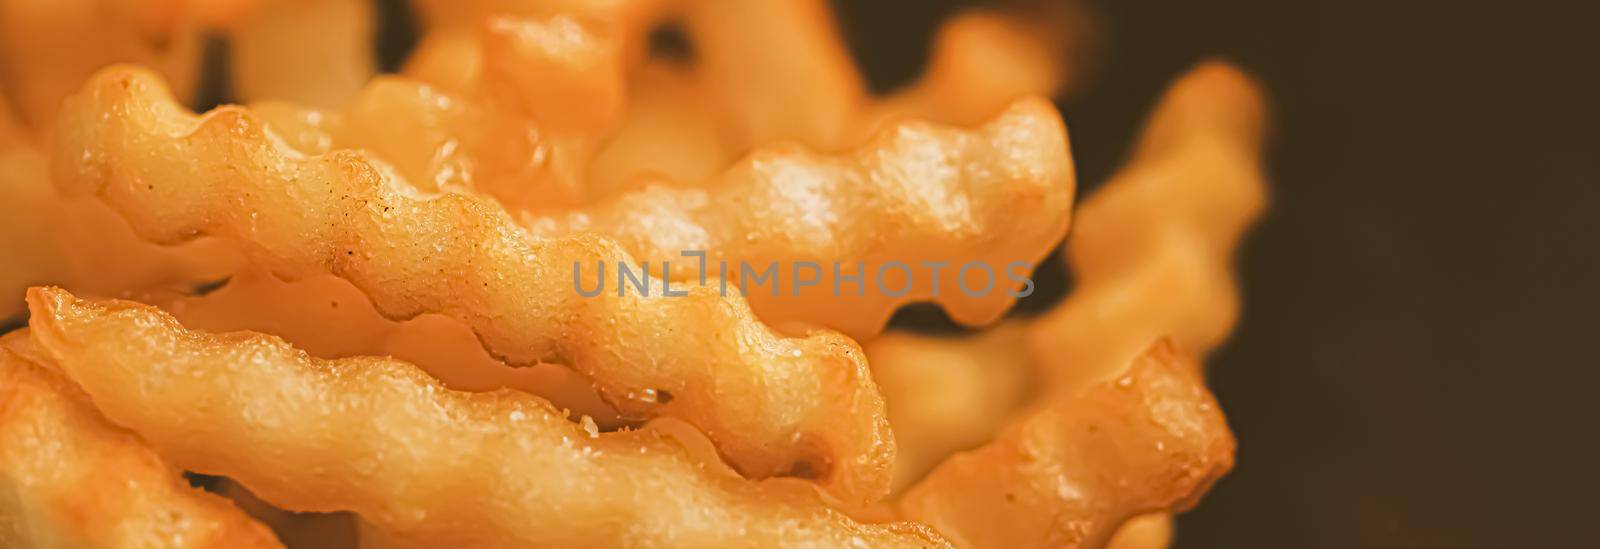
[1151, 252]
[772, 404]
[417, 461]
[918, 194]
[69, 478]
[513, 107]
[1070, 473]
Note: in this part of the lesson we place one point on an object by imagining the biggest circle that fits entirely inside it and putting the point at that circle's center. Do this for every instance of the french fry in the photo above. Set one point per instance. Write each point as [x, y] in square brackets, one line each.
[1073, 471]
[1152, 251]
[997, 196]
[417, 461]
[72, 479]
[773, 404]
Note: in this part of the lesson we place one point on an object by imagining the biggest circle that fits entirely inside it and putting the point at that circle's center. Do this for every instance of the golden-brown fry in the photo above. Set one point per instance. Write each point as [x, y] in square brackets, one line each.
[1151, 252]
[948, 394]
[918, 194]
[329, 318]
[68, 478]
[312, 52]
[984, 59]
[1072, 472]
[771, 403]
[420, 462]
[515, 109]
[49, 47]
[80, 243]
[778, 71]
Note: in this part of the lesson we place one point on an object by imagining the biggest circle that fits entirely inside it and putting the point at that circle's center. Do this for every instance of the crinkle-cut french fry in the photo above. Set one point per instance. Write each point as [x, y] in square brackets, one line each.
[49, 47]
[1070, 473]
[983, 59]
[81, 243]
[330, 318]
[1152, 531]
[779, 71]
[918, 194]
[312, 52]
[773, 404]
[520, 122]
[948, 394]
[1152, 251]
[423, 463]
[69, 478]
[677, 126]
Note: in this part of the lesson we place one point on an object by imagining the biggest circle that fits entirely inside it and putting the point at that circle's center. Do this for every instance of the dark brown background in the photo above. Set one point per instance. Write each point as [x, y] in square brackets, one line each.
[1416, 363]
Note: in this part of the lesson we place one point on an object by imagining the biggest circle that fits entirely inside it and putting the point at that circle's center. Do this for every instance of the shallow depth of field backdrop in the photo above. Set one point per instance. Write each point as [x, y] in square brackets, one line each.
[1416, 362]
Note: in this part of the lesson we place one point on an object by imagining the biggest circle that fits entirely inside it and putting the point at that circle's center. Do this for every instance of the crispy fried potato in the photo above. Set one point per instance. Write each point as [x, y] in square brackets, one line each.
[68, 478]
[330, 318]
[1151, 252]
[948, 394]
[681, 125]
[984, 59]
[770, 403]
[312, 52]
[418, 461]
[1072, 472]
[918, 194]
[778, 70]
[49, 47]
[515, 109]
[80, 243]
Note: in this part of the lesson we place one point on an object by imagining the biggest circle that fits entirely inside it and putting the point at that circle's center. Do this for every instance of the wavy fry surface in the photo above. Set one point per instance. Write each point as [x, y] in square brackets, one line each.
[779, 70]
[514, 107]
[1152, 251]
[418, 461]
[917, 194]
[772, 404]
[330, 318]
[1072, 472]
[69, 478]
[82, 244]
[948, 394]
